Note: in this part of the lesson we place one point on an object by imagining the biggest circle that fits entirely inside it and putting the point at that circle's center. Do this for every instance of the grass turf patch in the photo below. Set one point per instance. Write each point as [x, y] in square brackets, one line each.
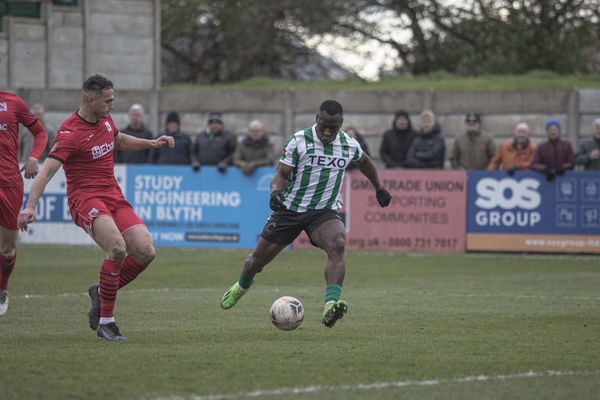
[412, 318]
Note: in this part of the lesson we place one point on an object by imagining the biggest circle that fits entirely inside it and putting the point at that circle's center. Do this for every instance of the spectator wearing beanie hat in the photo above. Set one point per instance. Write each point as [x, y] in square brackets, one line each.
[555, 155]
[396, 141]
[214, 145]
[181, 153]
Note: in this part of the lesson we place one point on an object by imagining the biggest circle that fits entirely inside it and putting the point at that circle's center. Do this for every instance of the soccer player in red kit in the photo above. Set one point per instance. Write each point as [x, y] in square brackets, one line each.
[13, 111]
[84, 146]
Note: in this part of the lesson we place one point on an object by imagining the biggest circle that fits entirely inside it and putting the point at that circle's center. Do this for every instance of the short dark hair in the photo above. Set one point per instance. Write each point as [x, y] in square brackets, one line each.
[331, 107]
[96, 84]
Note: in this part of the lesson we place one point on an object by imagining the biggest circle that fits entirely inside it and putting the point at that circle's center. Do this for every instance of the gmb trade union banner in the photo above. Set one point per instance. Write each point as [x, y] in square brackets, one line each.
[526, 213]
[53, 223]
[427, 212]
[204, 209]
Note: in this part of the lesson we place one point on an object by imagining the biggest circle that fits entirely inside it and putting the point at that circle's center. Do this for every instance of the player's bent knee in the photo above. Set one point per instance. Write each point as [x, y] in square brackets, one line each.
[337, 245]
[117, 252]
[8, 250]
[146, 255]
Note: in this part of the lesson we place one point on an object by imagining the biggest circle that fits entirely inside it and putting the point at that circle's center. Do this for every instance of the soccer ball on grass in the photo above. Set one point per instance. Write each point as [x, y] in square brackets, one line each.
[287, 313]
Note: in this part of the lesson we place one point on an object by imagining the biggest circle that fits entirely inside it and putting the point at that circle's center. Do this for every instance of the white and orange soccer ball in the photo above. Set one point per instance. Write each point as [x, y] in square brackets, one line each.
[287, 313]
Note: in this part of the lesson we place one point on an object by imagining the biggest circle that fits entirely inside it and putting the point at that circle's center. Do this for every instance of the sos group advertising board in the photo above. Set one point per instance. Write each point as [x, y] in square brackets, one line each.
[527, 213]
[427, 212]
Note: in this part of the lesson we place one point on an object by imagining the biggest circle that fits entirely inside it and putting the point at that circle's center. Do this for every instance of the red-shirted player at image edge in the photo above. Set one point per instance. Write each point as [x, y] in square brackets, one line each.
[14, 111]
[84, 146]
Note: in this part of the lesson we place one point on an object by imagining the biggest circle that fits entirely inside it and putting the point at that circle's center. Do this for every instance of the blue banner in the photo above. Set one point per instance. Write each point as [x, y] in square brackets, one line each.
[52, 207]
[204, 209]
[525, 212]
[499, 203]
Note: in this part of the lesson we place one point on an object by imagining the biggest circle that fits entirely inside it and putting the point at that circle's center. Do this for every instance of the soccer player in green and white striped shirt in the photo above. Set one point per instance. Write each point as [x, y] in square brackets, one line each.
[305, 196]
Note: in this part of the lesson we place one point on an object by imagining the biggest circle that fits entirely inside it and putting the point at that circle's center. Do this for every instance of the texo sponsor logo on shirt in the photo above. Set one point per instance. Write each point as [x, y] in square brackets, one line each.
[327, 161]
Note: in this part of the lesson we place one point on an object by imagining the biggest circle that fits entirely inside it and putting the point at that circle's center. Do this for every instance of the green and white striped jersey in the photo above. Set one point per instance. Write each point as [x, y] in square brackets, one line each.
[316, 181]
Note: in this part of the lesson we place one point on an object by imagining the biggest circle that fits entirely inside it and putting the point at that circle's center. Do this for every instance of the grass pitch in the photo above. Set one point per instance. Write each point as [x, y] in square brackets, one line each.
[418, 326]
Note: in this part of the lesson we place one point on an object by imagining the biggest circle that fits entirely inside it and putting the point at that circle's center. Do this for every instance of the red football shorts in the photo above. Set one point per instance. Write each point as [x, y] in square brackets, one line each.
[11, 199]
[84, 208]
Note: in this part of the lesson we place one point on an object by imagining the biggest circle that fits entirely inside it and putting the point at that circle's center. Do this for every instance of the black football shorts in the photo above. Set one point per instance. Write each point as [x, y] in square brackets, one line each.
[285, 226]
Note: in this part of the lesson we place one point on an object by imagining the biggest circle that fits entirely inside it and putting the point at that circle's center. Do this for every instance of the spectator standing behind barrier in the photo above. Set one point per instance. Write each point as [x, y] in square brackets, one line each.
[554, 156]
[255, 150]
[26, 139]
[352, 131]
[138, 129]
[516, 153]
[215, 145]
[473, 149]
[181, 153]
[589, 153]
[396, 141]
[427, 151]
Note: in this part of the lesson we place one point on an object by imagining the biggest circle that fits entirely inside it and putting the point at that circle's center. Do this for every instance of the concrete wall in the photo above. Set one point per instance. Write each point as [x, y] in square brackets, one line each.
[120, 41]
[119, 38]
[65, 46]
[286, 111]
[27, 53]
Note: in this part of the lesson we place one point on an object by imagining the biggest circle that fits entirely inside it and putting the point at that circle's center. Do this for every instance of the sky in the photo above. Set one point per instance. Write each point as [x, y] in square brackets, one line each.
[365, 58]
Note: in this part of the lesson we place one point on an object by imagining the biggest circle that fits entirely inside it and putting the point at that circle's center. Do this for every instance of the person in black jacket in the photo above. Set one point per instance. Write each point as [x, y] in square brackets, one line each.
[138, 129]
[397, 140]
[181, 153]
[427, 151]
[214, 145]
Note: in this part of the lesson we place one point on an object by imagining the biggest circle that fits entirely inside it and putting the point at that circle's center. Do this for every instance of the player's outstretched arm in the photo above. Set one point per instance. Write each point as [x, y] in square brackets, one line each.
[367, 168]
[40, 138]
[48, 170]
[126, 142]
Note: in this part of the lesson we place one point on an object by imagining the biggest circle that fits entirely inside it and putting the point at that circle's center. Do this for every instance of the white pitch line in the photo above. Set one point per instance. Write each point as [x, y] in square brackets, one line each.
[133, 291]
[510, 295]
[376, 385]
[410, 292]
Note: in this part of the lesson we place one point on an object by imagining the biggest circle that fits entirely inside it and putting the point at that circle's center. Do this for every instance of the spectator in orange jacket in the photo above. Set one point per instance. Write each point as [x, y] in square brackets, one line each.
[516, 153]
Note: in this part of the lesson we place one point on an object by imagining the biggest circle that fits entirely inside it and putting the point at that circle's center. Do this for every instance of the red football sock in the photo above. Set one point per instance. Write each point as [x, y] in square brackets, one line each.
[6, 267]
[131, 269]
[109, 284]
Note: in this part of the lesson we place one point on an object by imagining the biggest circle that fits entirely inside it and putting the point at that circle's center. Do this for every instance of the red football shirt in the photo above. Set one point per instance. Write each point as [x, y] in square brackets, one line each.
[13, 111]
[86, 151]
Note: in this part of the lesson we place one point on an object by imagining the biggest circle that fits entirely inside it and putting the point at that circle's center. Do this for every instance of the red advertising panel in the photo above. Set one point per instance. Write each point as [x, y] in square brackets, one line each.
[427, 212]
